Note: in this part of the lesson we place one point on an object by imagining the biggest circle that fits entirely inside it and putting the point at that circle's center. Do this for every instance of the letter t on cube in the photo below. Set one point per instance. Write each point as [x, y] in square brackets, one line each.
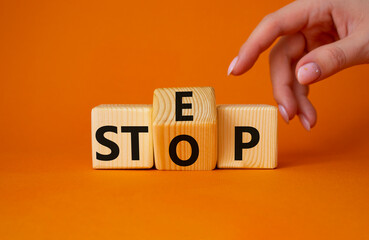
[185, 128]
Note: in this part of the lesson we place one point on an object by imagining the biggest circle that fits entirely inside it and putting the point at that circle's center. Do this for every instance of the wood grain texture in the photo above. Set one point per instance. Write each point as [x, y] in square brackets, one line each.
[118, 116]
[261, 117]
[203, 128]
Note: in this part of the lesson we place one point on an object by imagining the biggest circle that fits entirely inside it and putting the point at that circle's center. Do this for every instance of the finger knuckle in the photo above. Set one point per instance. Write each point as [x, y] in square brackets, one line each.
[270, 21]
[268, 18]
[338, 56]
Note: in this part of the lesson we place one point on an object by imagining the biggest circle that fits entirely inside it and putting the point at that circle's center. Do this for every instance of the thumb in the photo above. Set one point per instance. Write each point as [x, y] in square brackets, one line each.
[329, 59]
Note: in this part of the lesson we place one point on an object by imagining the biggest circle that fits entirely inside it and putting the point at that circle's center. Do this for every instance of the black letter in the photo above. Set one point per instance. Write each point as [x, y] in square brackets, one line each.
[239, 145]
[107, 143]
[134, 139]
[173, 150]
[180, 106]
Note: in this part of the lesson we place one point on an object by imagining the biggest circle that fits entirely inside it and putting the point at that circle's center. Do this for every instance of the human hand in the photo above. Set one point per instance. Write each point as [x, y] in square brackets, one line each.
[319, 39]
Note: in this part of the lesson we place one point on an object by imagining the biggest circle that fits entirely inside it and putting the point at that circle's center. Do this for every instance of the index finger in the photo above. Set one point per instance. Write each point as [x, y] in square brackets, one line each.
[287, 20]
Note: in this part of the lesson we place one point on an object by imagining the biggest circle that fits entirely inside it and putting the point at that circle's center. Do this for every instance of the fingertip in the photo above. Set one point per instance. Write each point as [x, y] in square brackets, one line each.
[287, 104]
[291, 108]
[232, 65]
[284, 114]
[308, 73]
[305, 123]
[240, 66]
[245, 60]
[312, 120]
[287, 110]
[308, 120]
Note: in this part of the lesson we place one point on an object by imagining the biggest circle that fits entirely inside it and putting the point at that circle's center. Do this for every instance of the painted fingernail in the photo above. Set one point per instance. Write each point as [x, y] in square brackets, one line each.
[304, 122]
[308, 73]
[231, 66]
[284, 113]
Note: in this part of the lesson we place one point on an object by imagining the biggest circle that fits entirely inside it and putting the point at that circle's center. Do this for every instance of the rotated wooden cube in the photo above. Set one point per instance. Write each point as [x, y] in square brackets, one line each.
[122, 136]
[185, 128]
[247, 136]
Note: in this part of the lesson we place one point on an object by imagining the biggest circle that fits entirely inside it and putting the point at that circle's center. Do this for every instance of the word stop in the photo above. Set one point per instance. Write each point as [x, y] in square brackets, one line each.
[184, 130]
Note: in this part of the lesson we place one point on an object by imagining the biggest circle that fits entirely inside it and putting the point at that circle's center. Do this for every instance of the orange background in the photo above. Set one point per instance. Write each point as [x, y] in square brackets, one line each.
[59, 59]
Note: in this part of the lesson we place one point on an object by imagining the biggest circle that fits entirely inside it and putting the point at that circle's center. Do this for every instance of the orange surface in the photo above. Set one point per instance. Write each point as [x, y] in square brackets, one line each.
[58, 59]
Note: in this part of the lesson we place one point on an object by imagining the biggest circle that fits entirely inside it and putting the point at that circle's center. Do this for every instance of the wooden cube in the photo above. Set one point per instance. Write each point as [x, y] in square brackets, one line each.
[185, 128]
[247, 136]
[122, 137]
